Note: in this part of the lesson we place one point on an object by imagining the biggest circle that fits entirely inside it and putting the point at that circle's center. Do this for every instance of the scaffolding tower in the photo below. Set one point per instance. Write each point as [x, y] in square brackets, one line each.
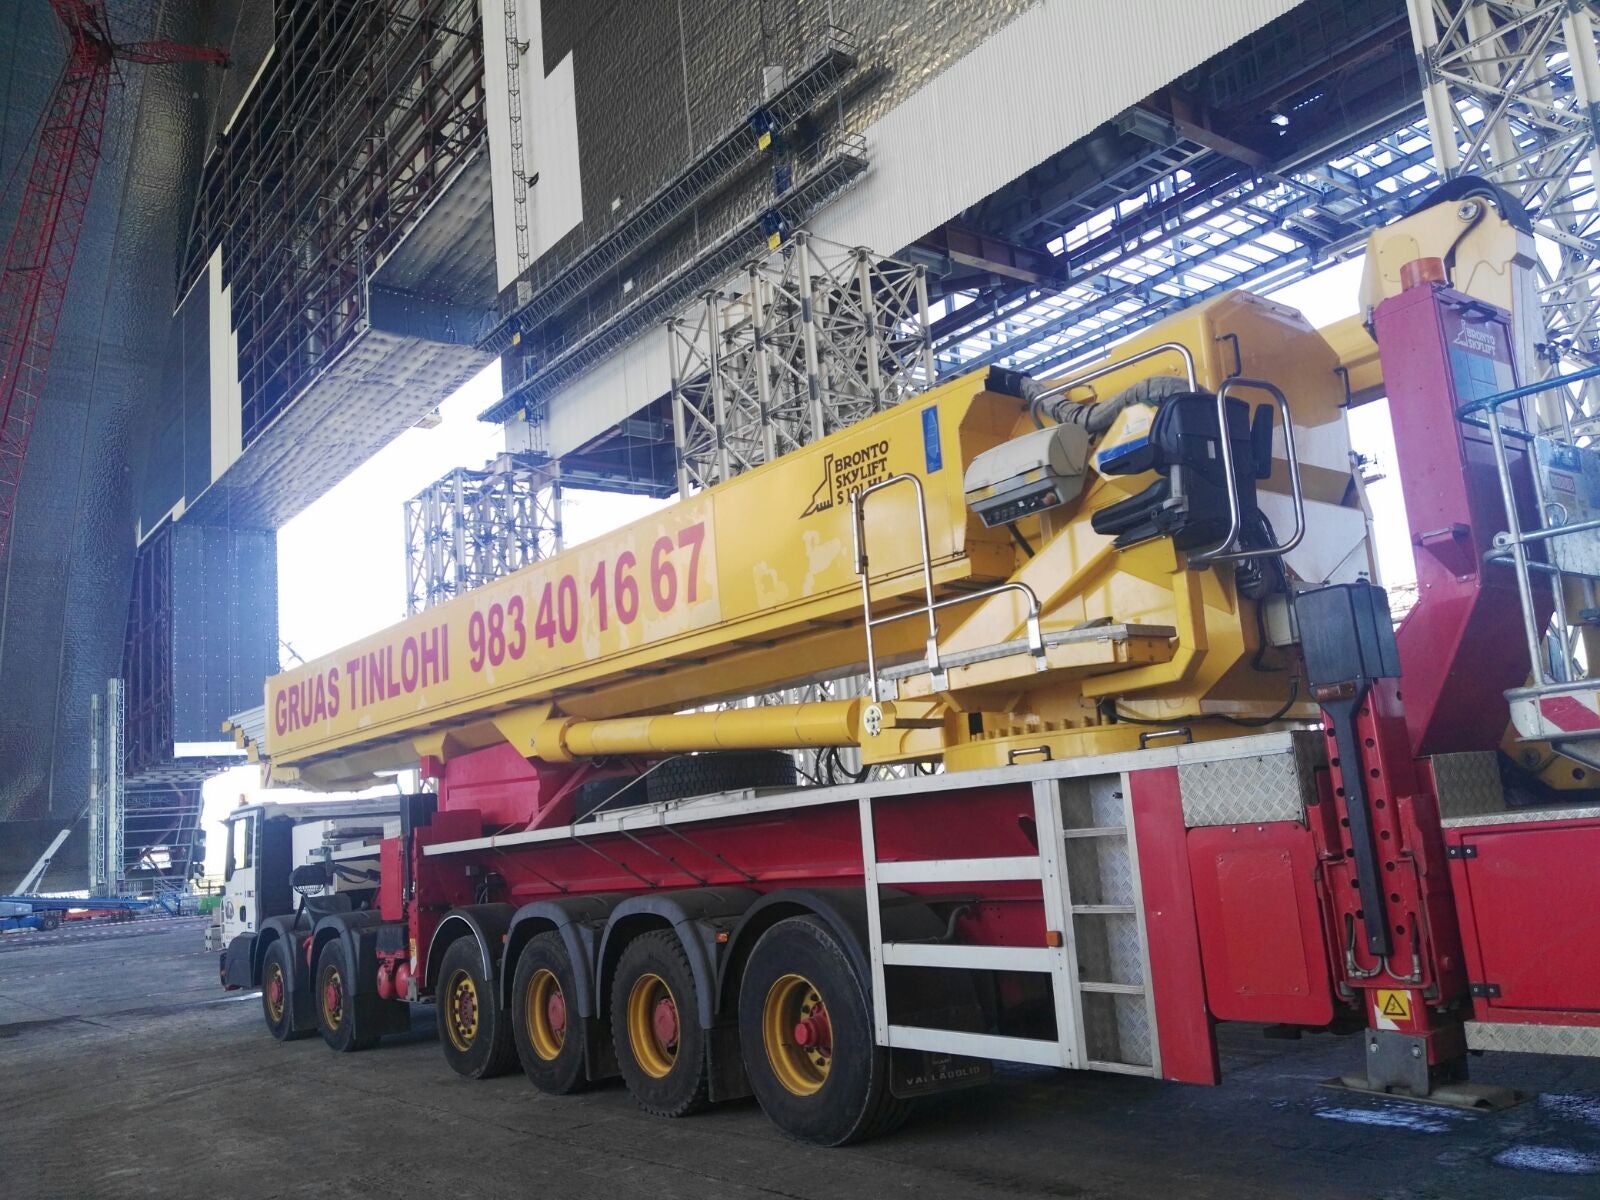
[808, 340]
[805, 341]
[470, 527]
[106, 844]
[1510, 89]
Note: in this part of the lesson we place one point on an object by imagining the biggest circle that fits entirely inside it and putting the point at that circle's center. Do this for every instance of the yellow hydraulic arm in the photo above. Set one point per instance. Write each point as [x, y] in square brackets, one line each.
[752, 586]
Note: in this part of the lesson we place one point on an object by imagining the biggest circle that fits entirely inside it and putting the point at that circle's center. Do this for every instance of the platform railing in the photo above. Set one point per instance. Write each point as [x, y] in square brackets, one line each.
[1553, 666]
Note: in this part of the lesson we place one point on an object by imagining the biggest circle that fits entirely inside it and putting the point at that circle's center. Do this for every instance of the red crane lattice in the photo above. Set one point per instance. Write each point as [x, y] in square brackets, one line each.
[44, 240]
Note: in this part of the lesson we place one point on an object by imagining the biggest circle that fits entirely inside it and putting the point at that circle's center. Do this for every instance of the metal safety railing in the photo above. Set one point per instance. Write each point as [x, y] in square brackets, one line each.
[1225, 550]
[930, 606]
[1552, 666]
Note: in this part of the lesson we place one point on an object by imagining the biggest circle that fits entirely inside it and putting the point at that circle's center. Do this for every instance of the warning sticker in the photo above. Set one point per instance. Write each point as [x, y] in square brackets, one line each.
[1392, 1006]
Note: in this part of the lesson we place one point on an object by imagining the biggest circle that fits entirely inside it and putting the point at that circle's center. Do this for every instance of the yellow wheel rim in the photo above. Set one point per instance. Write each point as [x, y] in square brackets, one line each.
[545, 998]
[332, 999]
[651, 1008]
[461, 1010]
[274, 990]
[797, 1034]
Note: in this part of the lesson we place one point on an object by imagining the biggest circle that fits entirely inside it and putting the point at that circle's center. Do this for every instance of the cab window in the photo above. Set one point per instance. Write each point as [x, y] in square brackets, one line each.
[241, 845]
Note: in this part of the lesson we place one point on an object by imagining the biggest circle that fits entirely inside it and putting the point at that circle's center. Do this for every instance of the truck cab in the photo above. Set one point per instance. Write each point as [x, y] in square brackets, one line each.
[267, 842]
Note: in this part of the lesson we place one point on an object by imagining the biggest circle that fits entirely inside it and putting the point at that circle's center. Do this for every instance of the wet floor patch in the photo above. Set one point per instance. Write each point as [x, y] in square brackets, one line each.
[1390, 1118]
[1574, 1108]
[1553, 1160]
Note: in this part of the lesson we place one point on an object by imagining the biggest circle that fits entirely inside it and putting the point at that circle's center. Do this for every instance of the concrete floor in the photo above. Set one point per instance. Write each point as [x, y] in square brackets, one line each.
[125, 1072]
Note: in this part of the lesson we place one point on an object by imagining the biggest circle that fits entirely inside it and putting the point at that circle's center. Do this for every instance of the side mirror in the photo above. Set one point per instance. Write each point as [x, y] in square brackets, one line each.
[312, 875]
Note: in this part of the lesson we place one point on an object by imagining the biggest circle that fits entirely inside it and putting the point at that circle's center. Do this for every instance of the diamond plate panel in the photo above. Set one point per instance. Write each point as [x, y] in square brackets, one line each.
[1257, 787]
[1100, 1040]
[1092, 800]
[1125, 952]
[1133, 1030]
[1108, 948]
[1116, 1029]
[1581, 1040]
[1098, 871]
[1523, 816]
[1468, 784]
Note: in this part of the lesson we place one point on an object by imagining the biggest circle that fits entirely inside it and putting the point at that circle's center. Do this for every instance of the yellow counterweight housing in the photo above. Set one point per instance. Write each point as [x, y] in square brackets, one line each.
[751, 587]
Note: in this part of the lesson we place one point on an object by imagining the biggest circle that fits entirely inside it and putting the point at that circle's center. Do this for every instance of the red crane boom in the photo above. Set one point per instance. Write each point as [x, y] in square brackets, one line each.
[44, 241]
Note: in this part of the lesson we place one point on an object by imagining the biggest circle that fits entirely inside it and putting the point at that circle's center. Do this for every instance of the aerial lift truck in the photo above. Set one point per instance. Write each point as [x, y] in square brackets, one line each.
[1158, 757]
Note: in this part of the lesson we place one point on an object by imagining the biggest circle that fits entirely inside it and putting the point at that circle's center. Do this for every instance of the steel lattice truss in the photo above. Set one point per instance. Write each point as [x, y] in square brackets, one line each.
[1510, 88]
[38, 256]
[1507, 101]
[471, 527]
[1178, 241]
[107, 781]
[808, 340]
[814, 338]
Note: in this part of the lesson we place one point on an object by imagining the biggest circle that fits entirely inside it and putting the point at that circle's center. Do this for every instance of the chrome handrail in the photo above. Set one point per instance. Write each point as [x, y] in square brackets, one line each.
[930, 605]
[858, 505]
[1223, 551]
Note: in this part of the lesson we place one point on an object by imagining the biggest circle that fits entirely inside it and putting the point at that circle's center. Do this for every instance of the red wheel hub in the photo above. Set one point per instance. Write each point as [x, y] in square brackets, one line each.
[664, 1020]
[555, 1012]
[275, 990]
[814, 1032]
[467, 1007]
[333, 997]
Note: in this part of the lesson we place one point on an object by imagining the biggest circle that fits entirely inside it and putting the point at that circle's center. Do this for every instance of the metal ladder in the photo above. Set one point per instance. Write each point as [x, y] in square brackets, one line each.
[1098, 963]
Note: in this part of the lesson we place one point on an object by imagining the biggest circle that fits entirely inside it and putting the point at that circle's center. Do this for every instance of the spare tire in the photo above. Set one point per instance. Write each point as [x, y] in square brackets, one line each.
[607, 792]
[720, 771]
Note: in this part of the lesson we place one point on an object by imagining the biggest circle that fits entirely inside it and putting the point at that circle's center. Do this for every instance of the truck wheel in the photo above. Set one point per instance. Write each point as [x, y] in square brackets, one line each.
[337, 1011]
[660, 1045]
[473, 1028]
[277, 1001]
[544, 1016]
[805, 1025]
[722, 771]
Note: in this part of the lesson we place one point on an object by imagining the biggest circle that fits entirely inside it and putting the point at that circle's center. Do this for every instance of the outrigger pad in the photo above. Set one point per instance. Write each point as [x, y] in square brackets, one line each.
[1473, 1097]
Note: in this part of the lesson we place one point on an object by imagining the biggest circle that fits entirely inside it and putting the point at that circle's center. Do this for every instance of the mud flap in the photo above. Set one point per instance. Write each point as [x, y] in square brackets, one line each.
[915, 1073]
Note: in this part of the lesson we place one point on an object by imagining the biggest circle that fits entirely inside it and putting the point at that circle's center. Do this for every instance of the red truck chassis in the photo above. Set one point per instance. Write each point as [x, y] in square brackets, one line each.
[838, 951]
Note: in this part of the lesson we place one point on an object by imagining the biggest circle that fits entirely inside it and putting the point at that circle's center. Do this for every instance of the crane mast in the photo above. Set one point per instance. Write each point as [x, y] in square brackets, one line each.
[43, 243]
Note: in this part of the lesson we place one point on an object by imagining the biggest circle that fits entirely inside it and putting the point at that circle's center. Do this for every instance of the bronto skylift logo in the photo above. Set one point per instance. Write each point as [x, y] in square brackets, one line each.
[1479, 339]
[843, 475]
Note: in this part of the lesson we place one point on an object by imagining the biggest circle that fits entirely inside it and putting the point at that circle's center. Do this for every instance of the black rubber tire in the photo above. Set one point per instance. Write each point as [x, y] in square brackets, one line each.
[721, 771]
[683, 1089]
[607, 793]
[854, 1102]
[563, 1074]
[488, 1051]
[49, 921]
[278, 959]
[345, 1034]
